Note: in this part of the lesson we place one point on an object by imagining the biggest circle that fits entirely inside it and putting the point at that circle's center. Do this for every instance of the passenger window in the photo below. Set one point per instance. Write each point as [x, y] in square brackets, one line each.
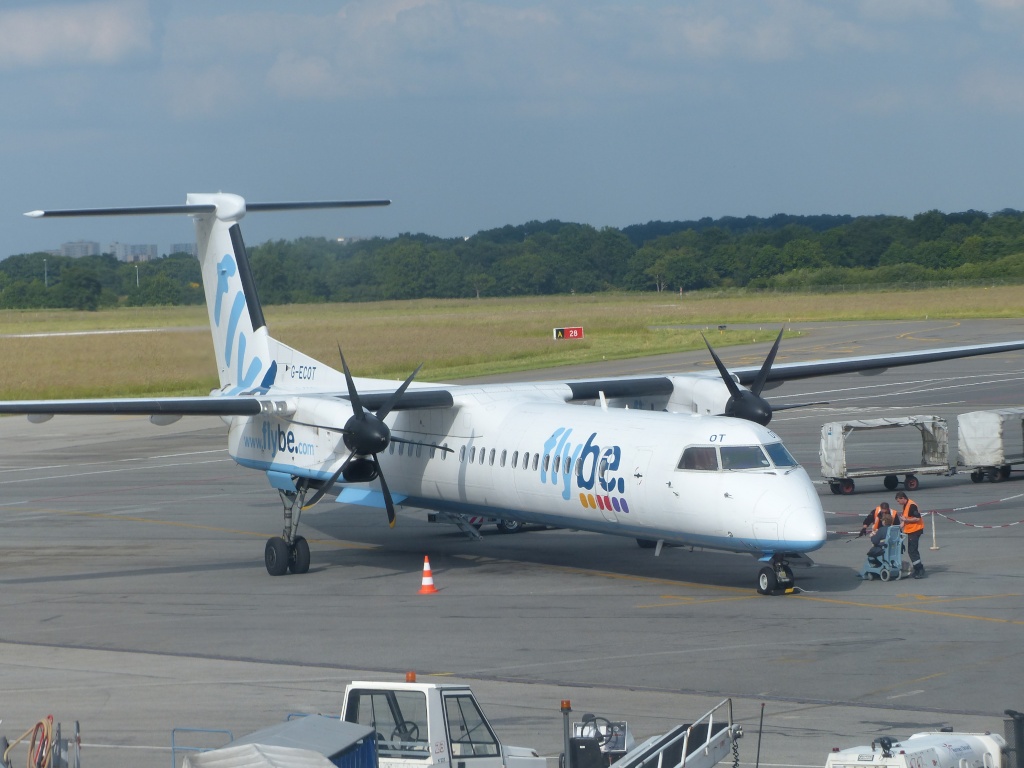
[462, 454]
[401, 449]
[547, 461]
[579, 467]
[444, 453]
[744, 457]
[483, 455]
[472, 454]
[526, 460]
[490, 459]
[433, 449]
[702, 458]
[558, 460]
[536, 461]
[515, 459]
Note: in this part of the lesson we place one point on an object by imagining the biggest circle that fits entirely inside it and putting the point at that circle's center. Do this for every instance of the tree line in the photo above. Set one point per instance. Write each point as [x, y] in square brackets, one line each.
[555, 257]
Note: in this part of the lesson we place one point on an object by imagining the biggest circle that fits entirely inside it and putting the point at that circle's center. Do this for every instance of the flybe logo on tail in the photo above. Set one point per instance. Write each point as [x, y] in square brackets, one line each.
[244, 374]
[591, 468]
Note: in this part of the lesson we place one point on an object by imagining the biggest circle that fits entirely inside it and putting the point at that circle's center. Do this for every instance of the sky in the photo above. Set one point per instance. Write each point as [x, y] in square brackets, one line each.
[474, 114]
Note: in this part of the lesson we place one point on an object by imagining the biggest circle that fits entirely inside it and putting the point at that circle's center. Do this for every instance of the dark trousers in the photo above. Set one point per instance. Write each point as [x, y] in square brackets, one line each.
[915, 556]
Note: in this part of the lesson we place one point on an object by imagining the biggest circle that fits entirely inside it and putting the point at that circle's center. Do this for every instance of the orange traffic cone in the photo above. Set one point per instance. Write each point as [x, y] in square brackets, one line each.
[427, 587]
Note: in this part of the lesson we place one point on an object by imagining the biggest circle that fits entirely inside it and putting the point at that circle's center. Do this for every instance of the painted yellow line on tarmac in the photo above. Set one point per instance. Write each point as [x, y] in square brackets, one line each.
[911, 609]
[671, 600]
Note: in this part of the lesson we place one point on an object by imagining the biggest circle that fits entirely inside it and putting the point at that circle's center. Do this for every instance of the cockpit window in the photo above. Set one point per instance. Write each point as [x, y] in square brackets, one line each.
[780, 456]
[744, 457]
[700, 457]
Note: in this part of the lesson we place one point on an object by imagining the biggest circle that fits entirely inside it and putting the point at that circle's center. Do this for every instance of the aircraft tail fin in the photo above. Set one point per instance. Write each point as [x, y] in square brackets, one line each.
[248, 359]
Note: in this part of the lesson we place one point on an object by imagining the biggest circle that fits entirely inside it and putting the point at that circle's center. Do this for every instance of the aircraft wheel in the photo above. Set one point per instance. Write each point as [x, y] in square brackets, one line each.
[910, 483]
[646, 543]
[890, 482]
[846, 486]
[276, 556]
[767, 581]
[884, 574]
[977, 476]
[299, 560]
[510, 526]
[836, 488]
[790, 580]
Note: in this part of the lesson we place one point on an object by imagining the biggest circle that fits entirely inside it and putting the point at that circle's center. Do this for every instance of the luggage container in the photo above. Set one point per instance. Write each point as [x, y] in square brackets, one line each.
[990, 442]
[934, 458]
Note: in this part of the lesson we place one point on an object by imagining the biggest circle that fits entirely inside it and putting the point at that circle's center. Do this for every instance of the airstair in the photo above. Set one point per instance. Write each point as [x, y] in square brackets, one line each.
[700, 744]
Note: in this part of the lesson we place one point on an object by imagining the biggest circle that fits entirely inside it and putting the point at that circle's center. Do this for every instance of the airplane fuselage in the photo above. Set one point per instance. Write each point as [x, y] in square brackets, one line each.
[543, 461]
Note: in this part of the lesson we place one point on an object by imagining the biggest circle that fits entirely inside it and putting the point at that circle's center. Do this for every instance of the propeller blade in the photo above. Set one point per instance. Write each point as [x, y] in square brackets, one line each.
[385, 409]
[353, 395]
[324, 489]
[425, 445]
[734, 390]
[389, 503]
[766, 367]
[797, 405]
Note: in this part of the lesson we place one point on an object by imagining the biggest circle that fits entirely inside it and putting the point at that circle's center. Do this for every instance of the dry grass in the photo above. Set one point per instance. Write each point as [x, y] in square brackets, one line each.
[455, 338]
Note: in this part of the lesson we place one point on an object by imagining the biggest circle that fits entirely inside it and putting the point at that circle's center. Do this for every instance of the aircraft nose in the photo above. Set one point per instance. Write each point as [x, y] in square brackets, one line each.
[804, 525]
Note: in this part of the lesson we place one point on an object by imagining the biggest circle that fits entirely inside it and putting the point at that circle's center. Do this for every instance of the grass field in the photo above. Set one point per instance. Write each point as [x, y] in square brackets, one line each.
[455, 338]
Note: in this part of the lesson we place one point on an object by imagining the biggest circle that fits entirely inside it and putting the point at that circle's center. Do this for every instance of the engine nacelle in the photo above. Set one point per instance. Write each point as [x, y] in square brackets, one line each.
[360, 470]
[705, 395]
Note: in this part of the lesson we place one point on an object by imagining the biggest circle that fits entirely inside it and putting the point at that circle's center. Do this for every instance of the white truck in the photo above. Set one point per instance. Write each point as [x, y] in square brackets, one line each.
[430, 724]
[932, 749]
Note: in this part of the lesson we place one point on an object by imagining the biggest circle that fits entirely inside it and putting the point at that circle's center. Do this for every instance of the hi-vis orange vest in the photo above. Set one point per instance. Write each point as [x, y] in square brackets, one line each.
[878, 517]
[912, 524]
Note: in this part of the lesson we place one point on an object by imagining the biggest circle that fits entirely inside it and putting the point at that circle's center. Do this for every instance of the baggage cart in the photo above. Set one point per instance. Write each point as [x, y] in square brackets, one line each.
[989, 443]
[933, 460]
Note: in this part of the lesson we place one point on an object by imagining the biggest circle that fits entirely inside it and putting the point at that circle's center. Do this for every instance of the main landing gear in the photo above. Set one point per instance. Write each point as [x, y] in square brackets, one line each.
[289, 551]
[776, 577]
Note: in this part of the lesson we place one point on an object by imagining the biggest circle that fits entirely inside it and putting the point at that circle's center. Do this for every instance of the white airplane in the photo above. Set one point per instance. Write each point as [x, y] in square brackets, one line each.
[682, 459]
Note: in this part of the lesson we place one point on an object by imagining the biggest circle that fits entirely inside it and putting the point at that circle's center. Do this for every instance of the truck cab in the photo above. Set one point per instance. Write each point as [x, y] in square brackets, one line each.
[421, 725]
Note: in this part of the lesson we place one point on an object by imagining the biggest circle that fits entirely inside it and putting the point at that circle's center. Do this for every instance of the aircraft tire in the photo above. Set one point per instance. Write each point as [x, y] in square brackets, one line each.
[790, 580]
[910, 483]
[276, 556]
[298, 563]
[890, 482]
[646, 543]
[767, 581]
[510, 526]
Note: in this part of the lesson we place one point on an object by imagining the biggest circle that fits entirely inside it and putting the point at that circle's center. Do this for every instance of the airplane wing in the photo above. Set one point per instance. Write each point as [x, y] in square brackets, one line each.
[649, 386]
[214, 405]
[878, 363]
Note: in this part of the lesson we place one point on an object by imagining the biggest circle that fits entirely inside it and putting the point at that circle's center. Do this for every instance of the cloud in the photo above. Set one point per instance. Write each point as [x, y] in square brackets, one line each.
[100, 33]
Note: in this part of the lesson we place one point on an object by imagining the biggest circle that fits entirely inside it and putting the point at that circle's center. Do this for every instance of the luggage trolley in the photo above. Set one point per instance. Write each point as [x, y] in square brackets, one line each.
[888, 462]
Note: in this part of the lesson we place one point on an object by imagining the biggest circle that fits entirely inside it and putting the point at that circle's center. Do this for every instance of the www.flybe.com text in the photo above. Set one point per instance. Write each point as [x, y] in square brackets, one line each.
[276, 440]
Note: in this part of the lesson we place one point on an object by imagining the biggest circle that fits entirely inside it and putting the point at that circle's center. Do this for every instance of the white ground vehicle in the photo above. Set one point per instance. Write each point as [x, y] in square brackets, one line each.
[933, 749]
[430, 724]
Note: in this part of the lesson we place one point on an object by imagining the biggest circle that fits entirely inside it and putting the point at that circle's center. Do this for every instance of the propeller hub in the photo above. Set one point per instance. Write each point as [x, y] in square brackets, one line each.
[366, 434]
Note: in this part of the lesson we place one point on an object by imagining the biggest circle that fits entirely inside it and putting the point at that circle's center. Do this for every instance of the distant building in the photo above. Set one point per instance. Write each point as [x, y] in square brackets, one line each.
[189, 248]
[80, 248]
[132, 253]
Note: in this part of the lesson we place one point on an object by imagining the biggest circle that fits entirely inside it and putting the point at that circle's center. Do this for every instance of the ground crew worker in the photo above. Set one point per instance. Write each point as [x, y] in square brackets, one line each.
[874, 517]
[913, 526]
